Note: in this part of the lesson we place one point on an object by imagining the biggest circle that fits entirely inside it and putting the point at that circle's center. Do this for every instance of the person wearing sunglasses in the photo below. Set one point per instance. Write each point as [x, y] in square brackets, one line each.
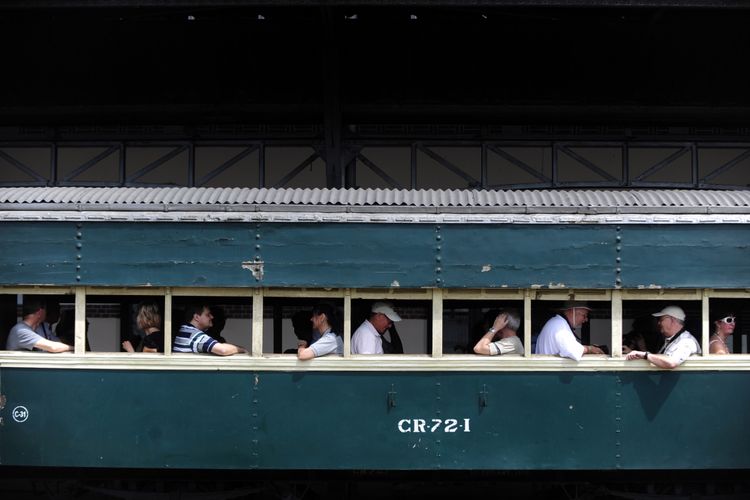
[723, 328]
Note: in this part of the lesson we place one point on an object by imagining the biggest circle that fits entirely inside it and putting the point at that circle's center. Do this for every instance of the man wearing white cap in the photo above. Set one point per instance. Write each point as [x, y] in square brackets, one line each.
[368, 339]
[557, 335]
[679, 344]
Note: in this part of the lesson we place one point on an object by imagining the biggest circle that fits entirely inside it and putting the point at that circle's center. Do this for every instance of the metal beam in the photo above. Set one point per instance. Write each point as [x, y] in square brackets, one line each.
[332, 101]
[520, 164]
[588, 164]
[221, 168]
[449, 165]
[728, 165]
[379, 171]
[660, 165]
[296, 170]
[156, 163]
[90, 163]
[99, 4]
[22, 167]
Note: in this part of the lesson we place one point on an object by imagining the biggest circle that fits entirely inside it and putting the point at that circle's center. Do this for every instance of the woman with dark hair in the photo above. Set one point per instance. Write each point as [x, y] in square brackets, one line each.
[323, 317]
[723, 328]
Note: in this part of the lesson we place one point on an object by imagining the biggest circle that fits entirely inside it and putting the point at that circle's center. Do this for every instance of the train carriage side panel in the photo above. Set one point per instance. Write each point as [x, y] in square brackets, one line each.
[521, 256]
[115, 418]
[680, 419]
[348, 255]
[375, 255]
[686, 256]
[39, 253]
[166, 254]
[374, 420]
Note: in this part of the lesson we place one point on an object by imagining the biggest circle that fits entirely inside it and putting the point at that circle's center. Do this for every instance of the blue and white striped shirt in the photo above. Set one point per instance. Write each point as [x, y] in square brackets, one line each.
[190, 339]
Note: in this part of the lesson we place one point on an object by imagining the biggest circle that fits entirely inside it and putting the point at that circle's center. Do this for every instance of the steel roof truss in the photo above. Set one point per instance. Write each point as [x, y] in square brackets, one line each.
[22, 167]
[90, 163]
[227, 164]
[156, 163]
[296, 170]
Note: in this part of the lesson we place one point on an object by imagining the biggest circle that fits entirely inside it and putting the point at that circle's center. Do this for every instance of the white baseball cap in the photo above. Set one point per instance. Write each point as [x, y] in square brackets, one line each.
[674, 311]
[387, 309]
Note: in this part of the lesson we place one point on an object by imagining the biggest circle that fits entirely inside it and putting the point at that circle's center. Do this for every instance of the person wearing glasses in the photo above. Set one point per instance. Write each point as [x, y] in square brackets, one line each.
[724, 327]
[557, 336]
[679, 344]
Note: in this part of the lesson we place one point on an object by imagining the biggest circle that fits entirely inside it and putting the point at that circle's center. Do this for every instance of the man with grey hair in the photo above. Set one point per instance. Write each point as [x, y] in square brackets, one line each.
[505, 329]
[557, 335]
[679, 344]
[368, 338]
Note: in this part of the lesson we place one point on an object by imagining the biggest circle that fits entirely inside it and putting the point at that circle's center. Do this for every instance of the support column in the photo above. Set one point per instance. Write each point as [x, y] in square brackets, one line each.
[616, 323]
[79, 332]
[527, 323]
[168, 322]
[437, 323]
[332, 102]
[347, 323]
[257, 346]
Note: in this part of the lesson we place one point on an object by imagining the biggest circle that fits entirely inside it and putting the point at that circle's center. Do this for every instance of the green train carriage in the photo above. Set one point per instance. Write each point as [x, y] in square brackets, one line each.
[429, 409]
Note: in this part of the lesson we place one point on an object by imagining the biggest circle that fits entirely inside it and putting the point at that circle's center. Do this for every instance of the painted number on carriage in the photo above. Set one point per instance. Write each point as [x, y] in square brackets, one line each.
[425, 425]
[20, 414]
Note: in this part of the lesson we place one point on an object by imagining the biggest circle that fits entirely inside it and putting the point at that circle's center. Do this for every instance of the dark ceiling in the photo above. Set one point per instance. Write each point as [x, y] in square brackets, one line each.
[390, 64]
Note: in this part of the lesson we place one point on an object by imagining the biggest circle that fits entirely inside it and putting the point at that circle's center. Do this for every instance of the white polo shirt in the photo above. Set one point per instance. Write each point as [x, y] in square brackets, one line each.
[557, 338]
[366, 340]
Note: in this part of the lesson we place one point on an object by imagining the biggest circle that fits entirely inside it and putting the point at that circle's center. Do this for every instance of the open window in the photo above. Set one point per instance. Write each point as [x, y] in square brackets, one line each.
[286, 320]
[12, 310]
[640, 328]
[232, 321]
[596, 331]
[413, 333]
[466, 321]
[730, 318]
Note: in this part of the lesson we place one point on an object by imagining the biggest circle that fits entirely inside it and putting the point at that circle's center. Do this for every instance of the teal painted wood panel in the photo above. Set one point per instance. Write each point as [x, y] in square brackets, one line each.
[85, 418]
[318, 420]
[344, 421]
[348, 255]
[685, 419]
[38, 253]
[375, 255]
[492, 256]
[166, 254]
[530, 421]
[685, 256]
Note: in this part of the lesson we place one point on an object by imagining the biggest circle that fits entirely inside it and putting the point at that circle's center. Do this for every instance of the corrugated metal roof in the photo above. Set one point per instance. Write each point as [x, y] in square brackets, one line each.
[175, 197]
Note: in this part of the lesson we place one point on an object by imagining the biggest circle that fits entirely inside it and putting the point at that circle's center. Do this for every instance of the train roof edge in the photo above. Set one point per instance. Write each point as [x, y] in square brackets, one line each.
[202, 199]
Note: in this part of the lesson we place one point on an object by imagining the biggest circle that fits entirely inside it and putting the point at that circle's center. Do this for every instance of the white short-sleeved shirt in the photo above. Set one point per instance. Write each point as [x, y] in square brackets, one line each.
[557, 338]
[508, 345]
[681, 348]
[327, 344]
[367, 340]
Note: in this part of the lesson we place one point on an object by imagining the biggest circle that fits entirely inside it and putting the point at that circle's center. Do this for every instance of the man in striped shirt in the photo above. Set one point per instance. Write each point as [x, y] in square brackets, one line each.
[192, 336]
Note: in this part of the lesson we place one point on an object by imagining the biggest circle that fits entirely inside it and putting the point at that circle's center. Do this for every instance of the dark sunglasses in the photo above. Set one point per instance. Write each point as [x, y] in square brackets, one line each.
[729, 320]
